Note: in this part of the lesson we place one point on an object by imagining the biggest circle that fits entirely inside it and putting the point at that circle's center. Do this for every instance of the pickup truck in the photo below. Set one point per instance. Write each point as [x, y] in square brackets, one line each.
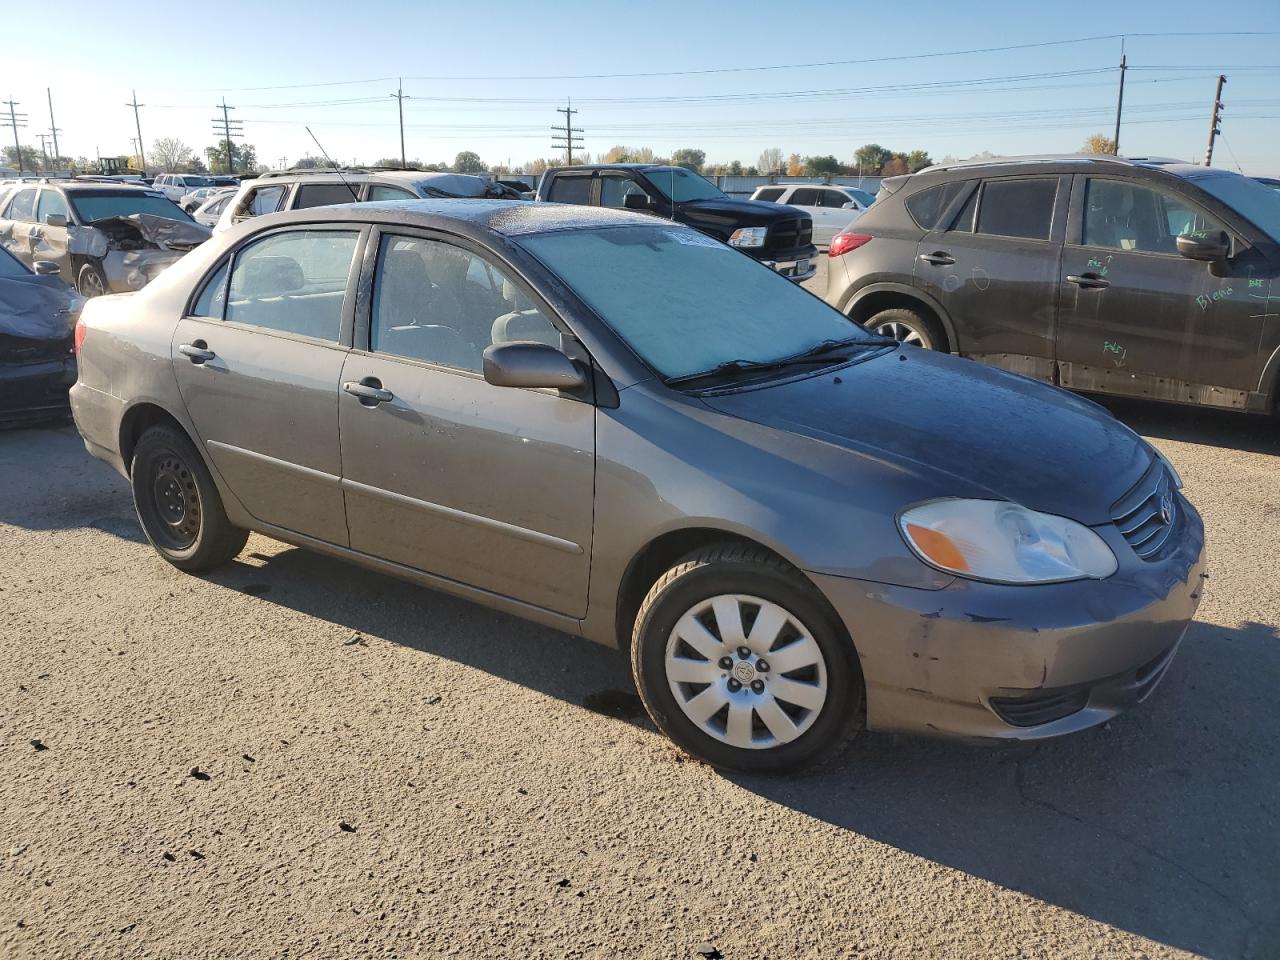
[779, 236]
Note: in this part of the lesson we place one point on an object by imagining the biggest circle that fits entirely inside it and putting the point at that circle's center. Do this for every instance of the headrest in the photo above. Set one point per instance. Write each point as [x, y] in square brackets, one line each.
[268, 277]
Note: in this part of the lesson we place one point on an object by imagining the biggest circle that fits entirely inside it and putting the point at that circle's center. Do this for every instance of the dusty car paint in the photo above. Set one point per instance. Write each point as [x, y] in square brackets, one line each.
[578, 494]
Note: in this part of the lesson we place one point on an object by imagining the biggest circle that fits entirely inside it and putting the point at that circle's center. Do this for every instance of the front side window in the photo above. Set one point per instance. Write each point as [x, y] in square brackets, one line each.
[570, 189]
[804, 198]
[51, 202]
[23, 205]
[833, 198]
[380, 191]
[1120, 215]
[770, 195]
[1017, 208]
[436, 302]
[262, 200]
[679, 184]
[615, 189]
[293, 282]
[325, 195]
[716, 305]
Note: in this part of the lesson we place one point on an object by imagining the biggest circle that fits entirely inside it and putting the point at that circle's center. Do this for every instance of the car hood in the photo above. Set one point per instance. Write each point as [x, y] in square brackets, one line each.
[127, 232]
[971, 430]
[749, 212]
[37, 308]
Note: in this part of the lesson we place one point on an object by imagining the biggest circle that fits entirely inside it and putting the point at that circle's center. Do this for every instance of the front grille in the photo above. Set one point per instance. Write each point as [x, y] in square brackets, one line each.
[791, 233]
[1147, 514]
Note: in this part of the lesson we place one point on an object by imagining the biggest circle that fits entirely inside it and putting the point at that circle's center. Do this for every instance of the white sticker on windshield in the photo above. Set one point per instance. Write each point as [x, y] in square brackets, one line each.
[691, 238]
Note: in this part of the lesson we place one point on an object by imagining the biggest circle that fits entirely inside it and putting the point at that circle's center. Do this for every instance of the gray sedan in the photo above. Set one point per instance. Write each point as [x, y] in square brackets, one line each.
[626, 430]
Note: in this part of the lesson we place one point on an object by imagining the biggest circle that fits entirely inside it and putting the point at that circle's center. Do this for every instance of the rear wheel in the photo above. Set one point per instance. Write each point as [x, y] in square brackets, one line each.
[909, 327]
[742, 663]
[178, 504]
[90, 282]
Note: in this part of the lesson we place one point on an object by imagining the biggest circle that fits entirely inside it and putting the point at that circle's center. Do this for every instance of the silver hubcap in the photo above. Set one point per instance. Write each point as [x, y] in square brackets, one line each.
[904, 333]
[746, 671]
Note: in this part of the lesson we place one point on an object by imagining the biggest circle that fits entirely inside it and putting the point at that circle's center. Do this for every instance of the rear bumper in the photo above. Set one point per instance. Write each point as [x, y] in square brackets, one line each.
[36, 391]
[986, 661]
[97, 416]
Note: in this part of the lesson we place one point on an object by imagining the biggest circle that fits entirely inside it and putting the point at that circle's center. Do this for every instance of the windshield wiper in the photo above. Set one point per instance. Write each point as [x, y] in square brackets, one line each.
[819, 354]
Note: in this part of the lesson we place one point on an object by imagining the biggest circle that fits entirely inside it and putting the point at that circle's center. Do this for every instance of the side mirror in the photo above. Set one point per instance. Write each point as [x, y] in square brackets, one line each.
[1211, 247]
[637, 201]
[55, 220]
[526, 363]
[46, 268]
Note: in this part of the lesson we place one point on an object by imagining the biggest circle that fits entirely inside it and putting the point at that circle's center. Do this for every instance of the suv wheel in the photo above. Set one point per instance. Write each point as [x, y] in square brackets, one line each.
[908, 327]
[742, 663]
[178, 504]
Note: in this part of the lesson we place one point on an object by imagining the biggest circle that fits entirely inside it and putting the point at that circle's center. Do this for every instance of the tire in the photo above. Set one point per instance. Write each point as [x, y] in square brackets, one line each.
[908, 326]
[90, 282]
[670, 673]
[178, 504]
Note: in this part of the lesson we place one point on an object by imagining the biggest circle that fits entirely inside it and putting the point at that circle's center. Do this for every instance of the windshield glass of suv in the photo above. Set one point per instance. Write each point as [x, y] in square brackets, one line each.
[679, 184]
[687, 303]
[1258, 204]
[104, 204]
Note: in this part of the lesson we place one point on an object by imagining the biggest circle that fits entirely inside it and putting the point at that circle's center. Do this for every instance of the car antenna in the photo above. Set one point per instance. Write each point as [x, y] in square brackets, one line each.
[335, 166]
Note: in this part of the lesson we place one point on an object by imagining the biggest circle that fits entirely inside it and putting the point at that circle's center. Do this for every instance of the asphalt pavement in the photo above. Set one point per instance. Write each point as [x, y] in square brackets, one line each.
[293, 757]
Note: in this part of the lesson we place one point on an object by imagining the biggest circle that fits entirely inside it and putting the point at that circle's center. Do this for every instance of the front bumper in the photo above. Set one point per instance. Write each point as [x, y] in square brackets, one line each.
[797, 265]
[987, 661]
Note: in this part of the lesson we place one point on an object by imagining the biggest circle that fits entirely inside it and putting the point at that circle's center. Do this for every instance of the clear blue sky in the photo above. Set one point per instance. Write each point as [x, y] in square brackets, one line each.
[182, 58]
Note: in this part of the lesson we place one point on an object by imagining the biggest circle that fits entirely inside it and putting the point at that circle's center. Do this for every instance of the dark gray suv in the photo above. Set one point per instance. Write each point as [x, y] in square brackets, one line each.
[1139, 277]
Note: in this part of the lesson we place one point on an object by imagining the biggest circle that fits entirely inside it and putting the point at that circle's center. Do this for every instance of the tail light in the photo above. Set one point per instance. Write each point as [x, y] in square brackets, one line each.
[79, 335]
[842, 243]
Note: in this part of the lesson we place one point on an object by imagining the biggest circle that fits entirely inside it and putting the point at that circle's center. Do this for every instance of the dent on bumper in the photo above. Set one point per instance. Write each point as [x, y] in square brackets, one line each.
[933, 661]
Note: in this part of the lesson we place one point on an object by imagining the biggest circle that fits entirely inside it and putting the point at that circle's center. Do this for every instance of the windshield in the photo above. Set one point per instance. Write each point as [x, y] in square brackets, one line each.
[104, 204]
[679, 184]
[194, 182]
[686, 303]
[1258, 204]
[10, 266]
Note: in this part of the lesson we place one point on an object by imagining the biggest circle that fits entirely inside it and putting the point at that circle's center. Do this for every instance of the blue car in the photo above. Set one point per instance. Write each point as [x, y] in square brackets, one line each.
[38, 313]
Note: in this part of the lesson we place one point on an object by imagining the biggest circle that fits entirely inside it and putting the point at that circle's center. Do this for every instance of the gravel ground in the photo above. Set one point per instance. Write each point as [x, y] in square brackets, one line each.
[294, 757]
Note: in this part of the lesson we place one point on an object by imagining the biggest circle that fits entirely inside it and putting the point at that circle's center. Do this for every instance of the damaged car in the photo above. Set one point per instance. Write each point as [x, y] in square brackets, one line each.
[38, 313]
[104, 238]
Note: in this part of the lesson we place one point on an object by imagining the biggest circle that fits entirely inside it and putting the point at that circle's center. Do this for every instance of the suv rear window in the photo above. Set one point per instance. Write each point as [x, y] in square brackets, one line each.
[1017, 208]
[571, 189]
[928, 206]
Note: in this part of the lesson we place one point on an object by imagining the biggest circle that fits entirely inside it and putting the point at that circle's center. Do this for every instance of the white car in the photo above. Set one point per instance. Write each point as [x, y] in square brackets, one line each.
[177, 185]
[832, 206]
[212, 206]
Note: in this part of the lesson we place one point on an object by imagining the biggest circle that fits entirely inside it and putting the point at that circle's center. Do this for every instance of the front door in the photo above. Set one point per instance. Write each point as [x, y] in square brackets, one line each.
[259, 364]
[50, 242]
[488, 486]
[994, 269]
[1139, 319]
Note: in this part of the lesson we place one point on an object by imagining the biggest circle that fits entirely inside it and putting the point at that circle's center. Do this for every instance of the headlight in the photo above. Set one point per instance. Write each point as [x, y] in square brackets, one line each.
[748, 237]
[1002, 542]
[1177, 477]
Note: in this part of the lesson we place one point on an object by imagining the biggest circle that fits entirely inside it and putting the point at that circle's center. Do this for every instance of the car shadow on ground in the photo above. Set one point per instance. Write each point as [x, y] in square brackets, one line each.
[1218, 428]
[1165, 823]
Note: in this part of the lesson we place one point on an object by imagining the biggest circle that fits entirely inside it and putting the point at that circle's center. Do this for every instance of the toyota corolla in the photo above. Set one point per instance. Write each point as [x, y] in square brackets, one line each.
[624, 429]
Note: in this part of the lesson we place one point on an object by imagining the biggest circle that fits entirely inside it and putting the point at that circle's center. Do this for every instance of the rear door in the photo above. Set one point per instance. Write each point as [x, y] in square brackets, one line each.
[488, 486]
[1138, 318]
[994, 268]
[259, 360]
[576, 188]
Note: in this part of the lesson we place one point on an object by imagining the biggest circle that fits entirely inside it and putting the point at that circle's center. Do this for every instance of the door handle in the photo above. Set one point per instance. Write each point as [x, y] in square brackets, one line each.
[1089, 281]
[938, 259]
[197, 351]
[369, 391]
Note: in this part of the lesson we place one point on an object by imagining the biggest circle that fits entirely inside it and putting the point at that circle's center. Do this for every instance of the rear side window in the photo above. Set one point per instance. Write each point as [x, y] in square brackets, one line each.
[573, 189]
[23, 205]
[928, 206]
[323, 195]
[262, 200]
[1017, 208]
[804, 198]
[771, 195]
[293, 282]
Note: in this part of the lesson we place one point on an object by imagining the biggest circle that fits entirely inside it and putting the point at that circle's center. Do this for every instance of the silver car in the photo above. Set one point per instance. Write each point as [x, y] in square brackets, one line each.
[624, 429]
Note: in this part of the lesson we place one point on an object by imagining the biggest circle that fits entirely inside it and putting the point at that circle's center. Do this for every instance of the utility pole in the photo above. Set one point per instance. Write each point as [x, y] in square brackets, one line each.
[53, 127]
[401, 97]
[137, 124]
[230, 128]
[567, 136]
[15, 121]
[44, 137]
[1214, 128]
[1119, 107]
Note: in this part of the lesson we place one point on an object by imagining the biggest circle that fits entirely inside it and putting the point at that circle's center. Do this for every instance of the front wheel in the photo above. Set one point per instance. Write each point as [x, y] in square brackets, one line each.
[90, 282]
[742, 663]
[178, 504]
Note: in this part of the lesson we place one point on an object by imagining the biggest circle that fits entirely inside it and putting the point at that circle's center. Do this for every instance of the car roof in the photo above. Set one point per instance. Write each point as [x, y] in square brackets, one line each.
[507, 218]
[92, 184]
[1075, 163]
